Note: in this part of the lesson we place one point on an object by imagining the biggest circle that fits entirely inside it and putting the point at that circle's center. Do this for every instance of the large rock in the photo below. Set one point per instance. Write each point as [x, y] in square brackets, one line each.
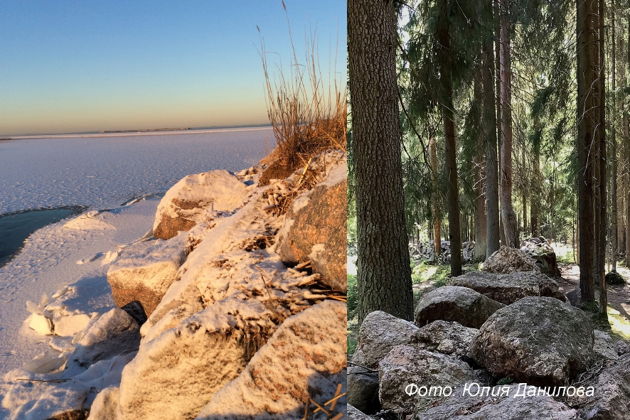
[541, 251]
[508, 260]
[305, 358]
[538, 340]
[144, 271]
[508, 288]
[112, 333]
[454, 303]
[355, 414]
[406, 365]
[177, 372]
[446, 337]
[471, 406]
[378, 334]
[363, 389]
[611, 399]
[315, 229]
[185, 203]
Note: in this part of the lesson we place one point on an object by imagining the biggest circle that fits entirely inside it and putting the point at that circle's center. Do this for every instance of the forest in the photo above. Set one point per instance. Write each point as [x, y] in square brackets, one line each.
[489, 203]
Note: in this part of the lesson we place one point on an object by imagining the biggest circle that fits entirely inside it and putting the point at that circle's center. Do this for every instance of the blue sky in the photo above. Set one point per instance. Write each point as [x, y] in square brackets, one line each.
[71, 66]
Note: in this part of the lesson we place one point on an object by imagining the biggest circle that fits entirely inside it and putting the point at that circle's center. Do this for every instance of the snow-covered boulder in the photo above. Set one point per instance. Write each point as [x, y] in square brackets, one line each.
[538, 340]
[379, 333]
[185, 204]
[508, 260]
[315, 229]
[112, 333]
[405, 365]
[196, 358]
[40, 323]
[455, 303]
[499, 405]
[144, 271]
[508, 288]
[305, 358]
[105, 405]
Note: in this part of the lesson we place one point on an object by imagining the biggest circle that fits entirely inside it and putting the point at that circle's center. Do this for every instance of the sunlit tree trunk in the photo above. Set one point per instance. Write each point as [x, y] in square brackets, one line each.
[384, 273]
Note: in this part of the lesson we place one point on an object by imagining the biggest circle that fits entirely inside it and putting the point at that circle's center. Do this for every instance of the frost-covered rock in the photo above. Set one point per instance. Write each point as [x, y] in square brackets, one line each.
[541, 251]
[455, 303]
[112, 333]
[611, 399]
[315, 229]
[405, 365]
[508, 260]
[474, 407]
[68, 391]
[508, 288]
[198, 357]
[305, 358]
[185, 204]
[105, 405]
[379, 333]
[69, 325]
[446, 337]
[538, 340]
[144, 271]
[40, 323]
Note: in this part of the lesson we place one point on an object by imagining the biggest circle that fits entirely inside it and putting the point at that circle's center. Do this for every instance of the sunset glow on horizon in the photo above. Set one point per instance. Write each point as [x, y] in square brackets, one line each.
[72, 66]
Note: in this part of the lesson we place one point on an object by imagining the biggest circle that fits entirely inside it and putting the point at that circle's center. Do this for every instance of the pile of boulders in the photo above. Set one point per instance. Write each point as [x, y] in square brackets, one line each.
[425, 251]
[501, 344]
[541, 251]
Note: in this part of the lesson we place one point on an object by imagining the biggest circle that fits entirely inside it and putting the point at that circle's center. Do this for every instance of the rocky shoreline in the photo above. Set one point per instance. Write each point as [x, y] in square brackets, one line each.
[236, 279]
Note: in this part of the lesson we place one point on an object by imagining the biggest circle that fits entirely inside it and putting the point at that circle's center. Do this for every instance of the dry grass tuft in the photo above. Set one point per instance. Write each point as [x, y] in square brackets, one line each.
[307, 110]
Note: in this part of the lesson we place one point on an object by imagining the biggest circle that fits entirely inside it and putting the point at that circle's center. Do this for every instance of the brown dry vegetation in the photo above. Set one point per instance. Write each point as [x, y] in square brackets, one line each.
[307, 109]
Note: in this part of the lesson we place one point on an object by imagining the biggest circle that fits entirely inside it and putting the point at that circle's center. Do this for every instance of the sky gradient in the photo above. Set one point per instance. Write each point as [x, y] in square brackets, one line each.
[76, 66]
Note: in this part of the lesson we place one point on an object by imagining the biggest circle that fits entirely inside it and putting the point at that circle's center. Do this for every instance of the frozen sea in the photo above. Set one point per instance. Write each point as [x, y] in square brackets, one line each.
[102, 172]
[98, 173]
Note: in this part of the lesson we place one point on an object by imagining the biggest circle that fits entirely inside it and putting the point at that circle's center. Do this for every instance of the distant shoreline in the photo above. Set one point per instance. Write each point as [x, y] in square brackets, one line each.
[132, 133]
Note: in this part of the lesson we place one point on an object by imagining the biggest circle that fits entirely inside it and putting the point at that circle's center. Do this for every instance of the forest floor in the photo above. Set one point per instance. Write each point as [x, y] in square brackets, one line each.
[618, 296]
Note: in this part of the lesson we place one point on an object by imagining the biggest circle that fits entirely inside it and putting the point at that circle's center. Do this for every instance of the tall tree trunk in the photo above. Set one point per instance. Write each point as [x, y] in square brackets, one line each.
[479, 175]
[508, 217]
[435, 201]
[587, 63]
[384, 272]
[450, 150]
[489, 128]
[626, 140]
[535, 201]
[613, 153]
[601, 137]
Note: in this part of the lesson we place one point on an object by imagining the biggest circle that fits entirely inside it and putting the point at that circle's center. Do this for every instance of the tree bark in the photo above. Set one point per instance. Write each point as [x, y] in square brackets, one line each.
[613, 153]
[435, 201]
[450, 151]
[480, 220]
[489, 127]
[587, 62]
[384, 273]
[535, 201]
[601, 137]
[508, 217]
